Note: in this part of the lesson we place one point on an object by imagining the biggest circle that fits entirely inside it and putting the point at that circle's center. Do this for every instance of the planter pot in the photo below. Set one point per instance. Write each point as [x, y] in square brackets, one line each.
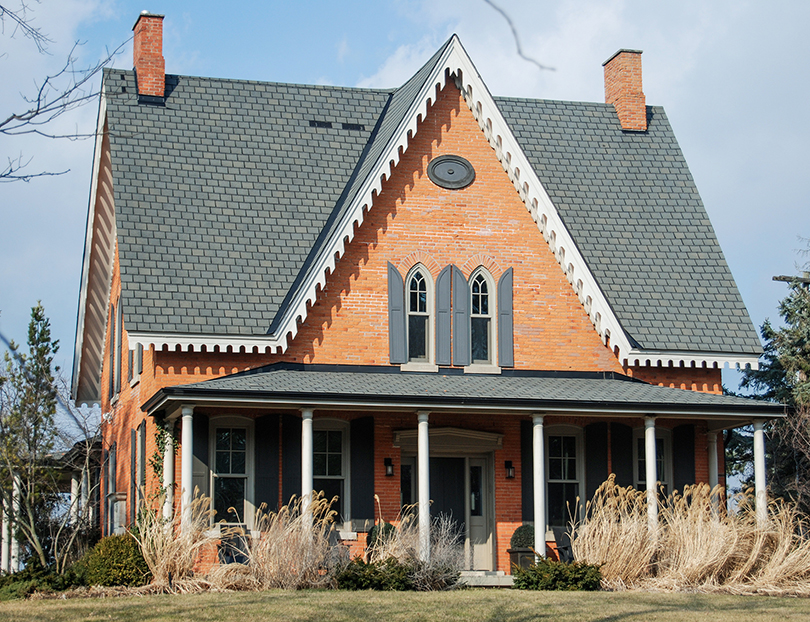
[522, 558]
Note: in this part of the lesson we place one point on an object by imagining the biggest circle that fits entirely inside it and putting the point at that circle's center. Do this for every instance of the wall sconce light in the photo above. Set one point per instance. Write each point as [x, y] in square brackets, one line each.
[389, 467]
[510, 470]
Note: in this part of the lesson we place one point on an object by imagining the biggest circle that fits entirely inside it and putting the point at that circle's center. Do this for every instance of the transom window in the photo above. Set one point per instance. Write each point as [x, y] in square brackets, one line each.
[418, 317]
[563, 479]
[230, 474]
[480, 320]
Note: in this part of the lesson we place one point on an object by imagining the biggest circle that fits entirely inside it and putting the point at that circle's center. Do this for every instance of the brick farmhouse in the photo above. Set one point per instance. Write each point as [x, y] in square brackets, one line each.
[426, 294]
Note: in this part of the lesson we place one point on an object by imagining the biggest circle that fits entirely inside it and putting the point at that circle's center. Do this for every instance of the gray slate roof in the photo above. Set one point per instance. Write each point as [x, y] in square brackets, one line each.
[615, 392]
[222, 195]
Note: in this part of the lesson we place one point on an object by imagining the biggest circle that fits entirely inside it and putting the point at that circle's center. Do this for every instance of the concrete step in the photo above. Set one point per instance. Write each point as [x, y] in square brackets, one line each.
[485, 578]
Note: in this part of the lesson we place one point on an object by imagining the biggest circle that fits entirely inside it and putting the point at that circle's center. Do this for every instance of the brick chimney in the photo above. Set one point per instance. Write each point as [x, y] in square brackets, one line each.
[623, 89]
[147, 52]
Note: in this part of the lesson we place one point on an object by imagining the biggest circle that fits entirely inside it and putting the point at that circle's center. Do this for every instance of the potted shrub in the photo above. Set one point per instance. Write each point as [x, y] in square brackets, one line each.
[521, 552]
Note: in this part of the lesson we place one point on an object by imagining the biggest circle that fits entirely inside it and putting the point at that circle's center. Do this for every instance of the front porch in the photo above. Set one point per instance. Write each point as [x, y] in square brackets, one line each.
[490, 452]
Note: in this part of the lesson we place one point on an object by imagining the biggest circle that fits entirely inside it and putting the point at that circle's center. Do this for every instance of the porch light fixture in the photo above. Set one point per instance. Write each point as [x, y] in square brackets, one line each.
[389, 467]
[510, 470]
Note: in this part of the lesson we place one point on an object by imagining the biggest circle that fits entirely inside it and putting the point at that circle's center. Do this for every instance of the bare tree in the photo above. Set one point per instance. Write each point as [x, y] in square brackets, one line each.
[64, 90]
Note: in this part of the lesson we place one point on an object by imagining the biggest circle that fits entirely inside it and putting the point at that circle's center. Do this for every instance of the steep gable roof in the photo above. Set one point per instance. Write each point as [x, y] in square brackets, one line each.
[234, 200]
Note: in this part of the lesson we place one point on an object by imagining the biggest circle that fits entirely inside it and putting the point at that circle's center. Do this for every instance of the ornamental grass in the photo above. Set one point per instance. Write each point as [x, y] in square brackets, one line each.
[698, 545]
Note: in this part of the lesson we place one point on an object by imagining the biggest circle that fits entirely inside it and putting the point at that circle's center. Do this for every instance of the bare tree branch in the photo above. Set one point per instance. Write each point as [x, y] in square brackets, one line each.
[61, 92]
[21, 23]
[517, 39]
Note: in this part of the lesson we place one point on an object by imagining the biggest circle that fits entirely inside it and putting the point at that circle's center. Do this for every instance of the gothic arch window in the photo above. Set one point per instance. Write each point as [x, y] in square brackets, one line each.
[419, 306]
[482, 314]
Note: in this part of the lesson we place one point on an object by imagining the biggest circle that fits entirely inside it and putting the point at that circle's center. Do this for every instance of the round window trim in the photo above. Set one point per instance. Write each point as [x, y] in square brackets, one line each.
[451, 171]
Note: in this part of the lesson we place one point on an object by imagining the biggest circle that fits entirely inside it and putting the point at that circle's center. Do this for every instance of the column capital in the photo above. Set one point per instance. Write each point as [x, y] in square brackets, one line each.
[537, 418]
[186, 410]
[649, 421]
[307, 412]
[422, 415]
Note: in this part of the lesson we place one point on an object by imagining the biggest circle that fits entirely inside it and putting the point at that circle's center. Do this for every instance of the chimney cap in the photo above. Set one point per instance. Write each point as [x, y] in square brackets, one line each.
[619, 52]
[147, 14]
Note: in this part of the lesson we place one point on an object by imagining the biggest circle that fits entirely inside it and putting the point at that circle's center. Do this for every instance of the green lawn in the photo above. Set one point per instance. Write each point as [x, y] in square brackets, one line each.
[471, 604]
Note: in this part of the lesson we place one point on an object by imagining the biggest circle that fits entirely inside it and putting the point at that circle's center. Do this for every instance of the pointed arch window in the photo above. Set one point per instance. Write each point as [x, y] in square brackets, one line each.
[419, 307]
[482, 312]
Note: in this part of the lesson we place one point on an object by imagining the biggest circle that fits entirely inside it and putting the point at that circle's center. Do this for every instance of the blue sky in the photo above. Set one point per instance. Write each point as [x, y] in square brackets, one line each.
[731, 75]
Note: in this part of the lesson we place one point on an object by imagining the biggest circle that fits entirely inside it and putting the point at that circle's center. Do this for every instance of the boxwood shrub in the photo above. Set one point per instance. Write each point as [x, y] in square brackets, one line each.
[548, 574]
[522, 538]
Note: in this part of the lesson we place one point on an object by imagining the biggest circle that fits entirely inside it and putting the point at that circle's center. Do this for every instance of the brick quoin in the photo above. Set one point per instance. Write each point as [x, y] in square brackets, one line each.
[413, 221]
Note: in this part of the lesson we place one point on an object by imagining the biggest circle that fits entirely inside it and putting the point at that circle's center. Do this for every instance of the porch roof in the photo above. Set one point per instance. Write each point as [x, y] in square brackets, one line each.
[591, 393]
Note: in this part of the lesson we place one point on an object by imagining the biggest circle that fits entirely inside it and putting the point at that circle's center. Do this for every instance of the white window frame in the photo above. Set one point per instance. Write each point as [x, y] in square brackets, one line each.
[492, 348]
[325, 425]
[579, 434]
[665, 477]
[233, 421]
[428, 363]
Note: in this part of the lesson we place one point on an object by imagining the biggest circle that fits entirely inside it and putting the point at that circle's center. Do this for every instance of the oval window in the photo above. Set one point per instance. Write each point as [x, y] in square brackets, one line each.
[451, 171]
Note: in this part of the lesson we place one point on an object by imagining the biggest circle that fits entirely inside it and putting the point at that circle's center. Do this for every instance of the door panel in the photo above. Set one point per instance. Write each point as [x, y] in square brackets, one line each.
[447, 489]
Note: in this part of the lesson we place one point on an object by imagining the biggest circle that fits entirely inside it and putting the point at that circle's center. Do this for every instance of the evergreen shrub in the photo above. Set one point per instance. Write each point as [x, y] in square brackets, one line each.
[548, 574]
[116, 560]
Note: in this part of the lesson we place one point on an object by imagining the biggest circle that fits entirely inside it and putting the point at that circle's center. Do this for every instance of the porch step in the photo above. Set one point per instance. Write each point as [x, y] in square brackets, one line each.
[485, 578]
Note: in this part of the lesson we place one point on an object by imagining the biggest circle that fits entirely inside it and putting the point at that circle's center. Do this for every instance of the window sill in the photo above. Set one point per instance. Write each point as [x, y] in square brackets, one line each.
[482, 369]
[414, 366]
[134, 382]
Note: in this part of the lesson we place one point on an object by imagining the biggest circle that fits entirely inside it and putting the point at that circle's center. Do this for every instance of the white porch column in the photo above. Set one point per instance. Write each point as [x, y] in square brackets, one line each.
[87, 510]
[651, 464]
[74, 497]
[187, 463]
[759, 472]
[168, 473]
[307, 483]
[5, 541]
[423, 454]
[539, 475]
[714, 477]
[14, 545]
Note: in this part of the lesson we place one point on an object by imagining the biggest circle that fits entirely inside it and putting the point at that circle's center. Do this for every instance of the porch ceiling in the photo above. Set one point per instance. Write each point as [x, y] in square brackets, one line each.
[593, 394]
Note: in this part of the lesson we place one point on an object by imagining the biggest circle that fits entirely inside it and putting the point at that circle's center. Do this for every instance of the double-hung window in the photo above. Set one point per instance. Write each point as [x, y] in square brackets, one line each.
[564, 461]
[330, 462]
[230, 474]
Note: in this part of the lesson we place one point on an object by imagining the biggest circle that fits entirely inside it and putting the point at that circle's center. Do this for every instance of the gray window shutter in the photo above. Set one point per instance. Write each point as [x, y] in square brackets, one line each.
[111, 374]
[621, 453]
[443, 318]
[683, 456]
[461, 318]
[397, 351]
[290, 457]
[200, 470]
[596, 457]
[362, 469]
[119, 329]
[266, 473]
[526, 471]
[133, 485]
[506, 350]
